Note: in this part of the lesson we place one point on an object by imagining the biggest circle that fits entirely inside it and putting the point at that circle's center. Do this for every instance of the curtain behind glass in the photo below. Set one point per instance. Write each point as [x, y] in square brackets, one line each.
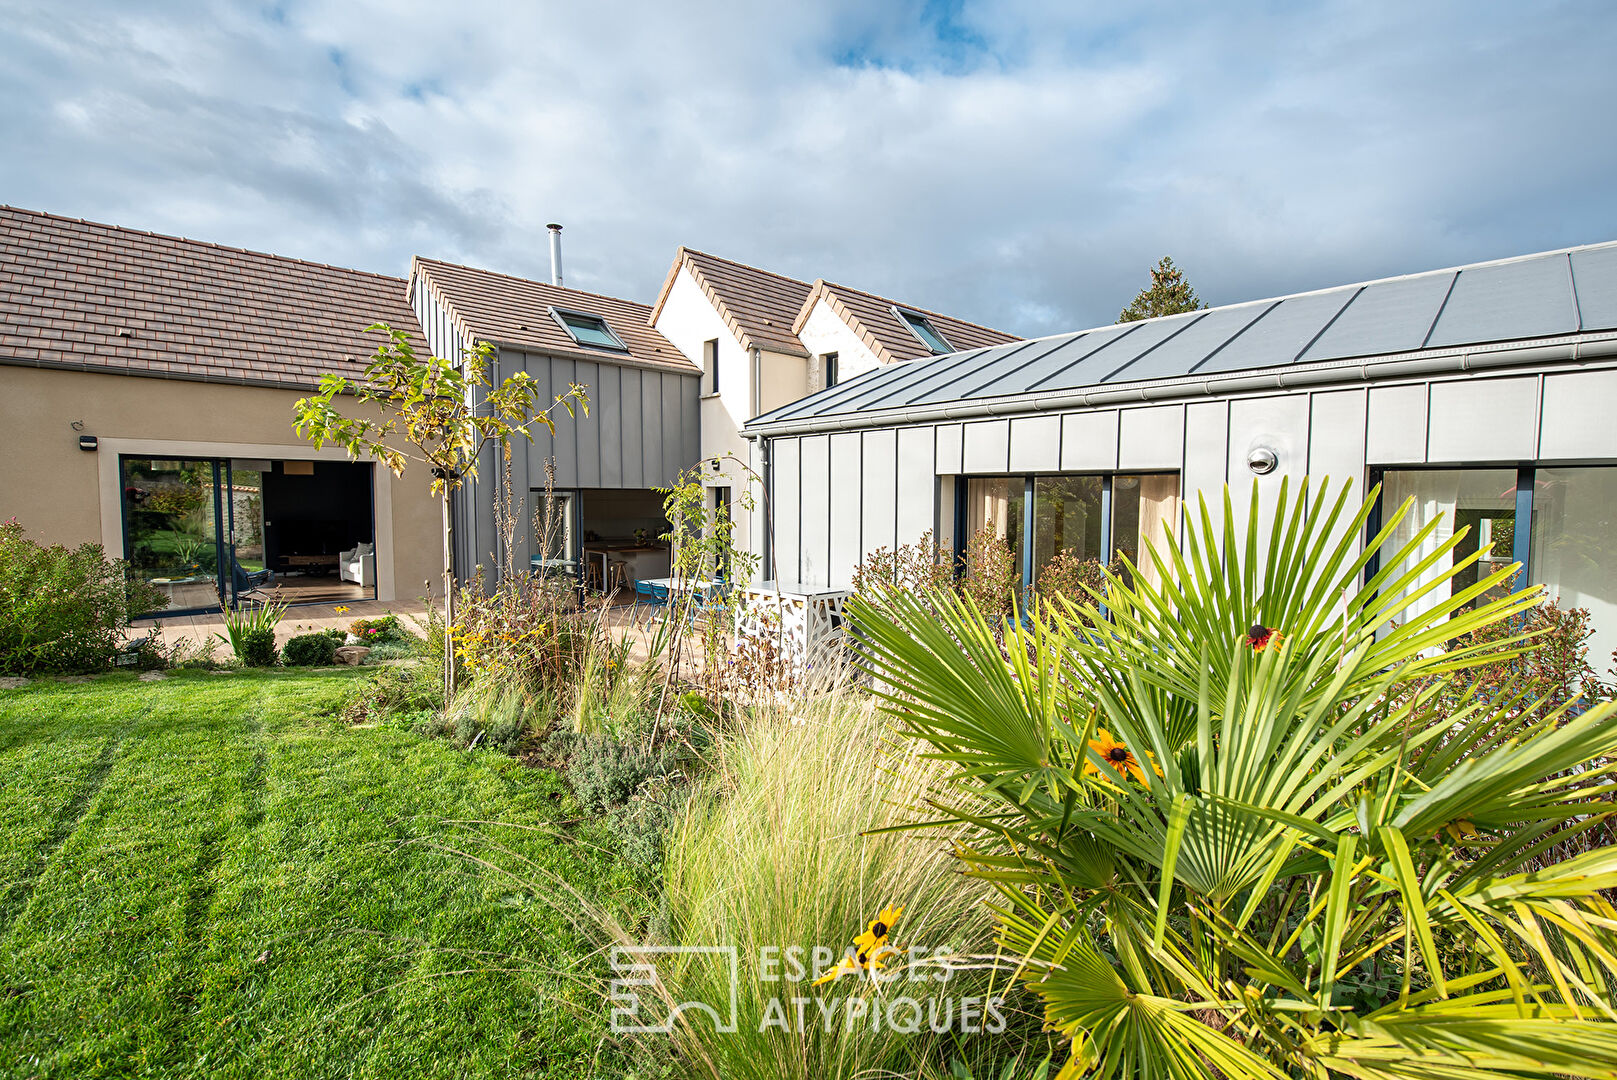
[1575, 548]
[1480, 500]
[995, 504]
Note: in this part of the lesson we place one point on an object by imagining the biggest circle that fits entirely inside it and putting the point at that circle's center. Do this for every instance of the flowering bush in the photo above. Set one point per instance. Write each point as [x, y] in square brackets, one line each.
[64, 609]
[376, 631]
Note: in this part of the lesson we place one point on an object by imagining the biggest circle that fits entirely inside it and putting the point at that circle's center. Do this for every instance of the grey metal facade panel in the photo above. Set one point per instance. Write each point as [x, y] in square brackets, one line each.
[1577, 416]
[786, 497]
[950, 449]
[815, 532]
[1151, 438]
[589, 427]
[1035, 444]
[1207, 436]
[847, 505]
[651, 434]
[1281, 334]
[1089, 441]
[1121, 350]
[1281, 423]
[610, 379]
[634, 430]
[673, 446]
[1476, 420]
[1385, 317]
[1186, 350]
[1395, 430]
[1336, 438]
[1594, 275]
[1522, 299]
[879, 493]
[691, 426]
[917, 483]
[986, 447]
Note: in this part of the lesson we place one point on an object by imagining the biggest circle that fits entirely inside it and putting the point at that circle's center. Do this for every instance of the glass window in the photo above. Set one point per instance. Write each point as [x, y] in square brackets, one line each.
[831, 375]
[1067, 517]
[1574, 551]
[589, 330]
[553, 550]
[1145, 515]
[994, 505]
[923, 329]
[1483, 501]
[710, 362]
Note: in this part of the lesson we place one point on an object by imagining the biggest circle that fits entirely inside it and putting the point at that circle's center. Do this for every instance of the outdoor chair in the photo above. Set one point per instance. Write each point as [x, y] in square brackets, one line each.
[245, 580]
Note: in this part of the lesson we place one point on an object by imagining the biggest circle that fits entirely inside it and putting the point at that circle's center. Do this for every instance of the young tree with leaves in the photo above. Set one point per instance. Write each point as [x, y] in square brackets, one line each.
[441, 414]
[1169, 294]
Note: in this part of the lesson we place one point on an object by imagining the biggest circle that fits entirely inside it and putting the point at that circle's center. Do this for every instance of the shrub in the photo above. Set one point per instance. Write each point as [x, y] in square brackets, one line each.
[250, 632]
[991, 574]
[604, 772]
[920, 567]
[61, 609]
[640, 825]
[310, 650]
[256, 647]
[380, 630]
[1219, 827]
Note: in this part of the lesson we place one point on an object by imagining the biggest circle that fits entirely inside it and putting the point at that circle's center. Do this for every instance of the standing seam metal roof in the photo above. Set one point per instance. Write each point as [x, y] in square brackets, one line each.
[1533, 296]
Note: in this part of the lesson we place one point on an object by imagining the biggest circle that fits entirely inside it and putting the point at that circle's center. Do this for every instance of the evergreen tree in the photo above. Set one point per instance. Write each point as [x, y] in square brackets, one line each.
[1169, 294]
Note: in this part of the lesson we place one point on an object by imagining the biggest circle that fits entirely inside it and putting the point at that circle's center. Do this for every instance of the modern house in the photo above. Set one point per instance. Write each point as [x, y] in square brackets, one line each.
[146, 389]
[1484, 392]
[763, 340]
[640, 432]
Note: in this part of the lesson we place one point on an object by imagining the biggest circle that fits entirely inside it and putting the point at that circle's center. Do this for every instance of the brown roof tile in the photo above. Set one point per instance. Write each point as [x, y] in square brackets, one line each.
[759, 306]
[872, 318]
[513, 311]
[216, 313]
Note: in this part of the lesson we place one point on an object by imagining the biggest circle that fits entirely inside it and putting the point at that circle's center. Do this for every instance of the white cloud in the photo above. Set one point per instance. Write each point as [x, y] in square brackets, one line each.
[1006, 162]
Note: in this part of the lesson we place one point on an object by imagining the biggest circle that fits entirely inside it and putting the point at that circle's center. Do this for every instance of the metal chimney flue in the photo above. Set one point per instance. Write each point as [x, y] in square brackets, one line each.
[555, 253]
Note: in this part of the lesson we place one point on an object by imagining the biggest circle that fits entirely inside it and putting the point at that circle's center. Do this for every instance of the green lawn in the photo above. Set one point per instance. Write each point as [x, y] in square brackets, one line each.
[212, 876]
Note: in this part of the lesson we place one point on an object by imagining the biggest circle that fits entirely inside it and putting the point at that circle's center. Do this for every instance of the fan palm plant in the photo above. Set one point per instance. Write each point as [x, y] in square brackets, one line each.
[1233, 833]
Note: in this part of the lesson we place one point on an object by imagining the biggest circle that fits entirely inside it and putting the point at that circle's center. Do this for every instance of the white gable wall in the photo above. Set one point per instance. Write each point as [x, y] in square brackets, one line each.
[825, 332]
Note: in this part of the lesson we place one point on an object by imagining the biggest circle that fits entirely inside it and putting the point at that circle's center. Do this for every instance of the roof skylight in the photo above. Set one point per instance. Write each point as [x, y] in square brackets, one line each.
[924, 331]
[587, 329]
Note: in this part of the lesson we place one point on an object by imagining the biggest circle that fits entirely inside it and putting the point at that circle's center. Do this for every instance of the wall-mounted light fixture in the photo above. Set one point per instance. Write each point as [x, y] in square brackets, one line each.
[1262, 460]
[88, 442]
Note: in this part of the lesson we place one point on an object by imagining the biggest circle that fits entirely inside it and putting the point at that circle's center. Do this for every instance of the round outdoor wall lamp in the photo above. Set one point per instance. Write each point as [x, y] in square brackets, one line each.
[1262, 460]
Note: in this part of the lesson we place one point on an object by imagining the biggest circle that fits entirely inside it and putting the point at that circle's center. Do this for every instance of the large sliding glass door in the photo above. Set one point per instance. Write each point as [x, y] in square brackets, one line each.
[172, 528]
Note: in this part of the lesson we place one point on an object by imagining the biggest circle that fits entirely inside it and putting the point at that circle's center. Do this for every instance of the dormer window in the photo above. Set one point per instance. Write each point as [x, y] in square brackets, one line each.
[588, 330]
[924, 331]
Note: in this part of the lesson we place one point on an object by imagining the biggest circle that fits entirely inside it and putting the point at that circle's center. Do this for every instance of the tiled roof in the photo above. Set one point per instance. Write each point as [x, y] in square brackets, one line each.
[759, 306]
[872, 318]
[81, 295]
[515, 311]
[1552, 297]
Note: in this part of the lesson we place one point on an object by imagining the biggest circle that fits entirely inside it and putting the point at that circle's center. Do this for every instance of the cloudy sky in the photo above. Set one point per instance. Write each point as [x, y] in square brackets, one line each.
[1021, 164]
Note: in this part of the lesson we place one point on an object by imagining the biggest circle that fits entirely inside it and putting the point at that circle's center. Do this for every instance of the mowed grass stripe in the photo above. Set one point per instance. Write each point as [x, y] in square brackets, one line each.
[259, 891]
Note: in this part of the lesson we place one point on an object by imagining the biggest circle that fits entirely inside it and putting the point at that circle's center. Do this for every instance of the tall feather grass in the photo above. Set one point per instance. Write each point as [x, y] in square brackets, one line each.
[776, 850]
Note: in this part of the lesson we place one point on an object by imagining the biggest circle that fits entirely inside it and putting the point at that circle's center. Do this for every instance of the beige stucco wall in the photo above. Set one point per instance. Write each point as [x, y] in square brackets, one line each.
[62, 494]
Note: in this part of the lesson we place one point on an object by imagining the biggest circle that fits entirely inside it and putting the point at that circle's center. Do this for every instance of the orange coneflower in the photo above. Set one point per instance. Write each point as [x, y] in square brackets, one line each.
[1260, 637]
[1117, 756]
